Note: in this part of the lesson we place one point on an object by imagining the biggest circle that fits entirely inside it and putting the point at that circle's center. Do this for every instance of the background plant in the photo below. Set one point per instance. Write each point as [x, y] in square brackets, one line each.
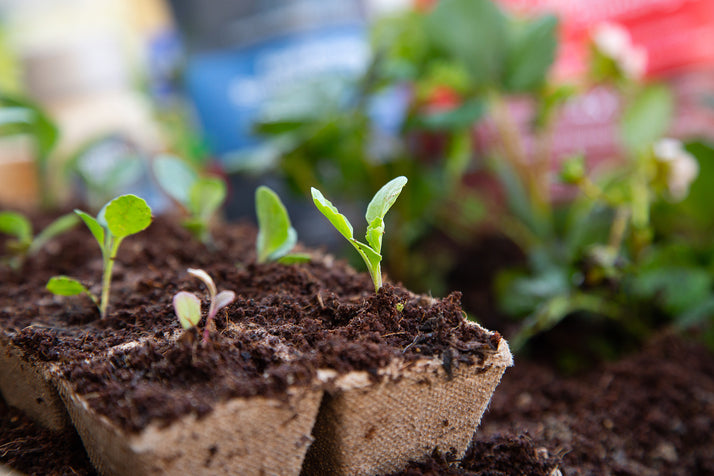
[122, 217]
[25, 243]
[200, 197]
[21, 116]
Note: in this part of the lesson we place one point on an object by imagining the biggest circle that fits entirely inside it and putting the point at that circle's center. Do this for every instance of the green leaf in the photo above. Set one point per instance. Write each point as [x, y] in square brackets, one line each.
[66, 286]
[460, 117]
[15, 115]
[374, 234]
[294, 258]
[187, 308]
[205, 197]
[93, 225]
[339, 221]
[531, 53]
[126, 215]
[473, 32]
[175, 177]
[276, 237]
[57, 227]
[646, 119]
[385, 198]
[15, 224]
[677, 288]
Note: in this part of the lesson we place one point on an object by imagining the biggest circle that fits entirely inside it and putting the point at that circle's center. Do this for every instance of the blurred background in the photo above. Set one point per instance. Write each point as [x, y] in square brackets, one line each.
[527, 129]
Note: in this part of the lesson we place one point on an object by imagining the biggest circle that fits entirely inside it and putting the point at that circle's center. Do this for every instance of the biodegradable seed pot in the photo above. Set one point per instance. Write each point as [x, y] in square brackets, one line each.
[383, 377]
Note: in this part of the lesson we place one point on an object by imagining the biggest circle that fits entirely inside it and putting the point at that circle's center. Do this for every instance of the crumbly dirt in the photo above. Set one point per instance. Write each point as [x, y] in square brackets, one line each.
[650, 413]
[286, 322]
[34, 450]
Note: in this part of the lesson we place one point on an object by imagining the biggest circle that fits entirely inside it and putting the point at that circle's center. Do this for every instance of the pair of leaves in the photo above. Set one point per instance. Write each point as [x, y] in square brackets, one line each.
[200, 196]
[15, 224]
[376, 210]
[125, 215]
[121, 217]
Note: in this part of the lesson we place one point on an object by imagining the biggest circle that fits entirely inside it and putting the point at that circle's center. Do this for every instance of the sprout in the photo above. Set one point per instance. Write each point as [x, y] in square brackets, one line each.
[188, 306]
[376, 210]
[276, 236]
[201, 197]
[123, 216]
[24, 244]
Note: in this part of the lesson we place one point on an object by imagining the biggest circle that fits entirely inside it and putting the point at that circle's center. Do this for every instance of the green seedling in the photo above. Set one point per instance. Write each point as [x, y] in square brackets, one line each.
[188, 306]
[24, 244]
[201, 197]
[276, 236]
[121, 217]
[376, 210]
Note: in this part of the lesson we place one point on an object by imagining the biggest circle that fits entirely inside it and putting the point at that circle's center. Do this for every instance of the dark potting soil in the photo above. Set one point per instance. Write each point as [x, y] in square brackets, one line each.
[286, 322]
[31, 449]
[649, 414]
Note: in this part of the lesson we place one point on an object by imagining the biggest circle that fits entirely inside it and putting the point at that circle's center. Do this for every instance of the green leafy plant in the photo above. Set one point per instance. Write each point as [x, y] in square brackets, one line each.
[201, 197]
[121, 217]
[24, 243]
[21, 116]
[188, 306]
[276, 236]
[376, 210]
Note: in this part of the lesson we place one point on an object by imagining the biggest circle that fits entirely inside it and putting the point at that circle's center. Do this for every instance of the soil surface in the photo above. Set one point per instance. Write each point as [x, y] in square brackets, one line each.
[286, 322]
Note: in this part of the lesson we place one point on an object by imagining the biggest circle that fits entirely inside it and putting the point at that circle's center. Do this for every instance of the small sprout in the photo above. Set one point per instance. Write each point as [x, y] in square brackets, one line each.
[376, 210]
[188, 307]
[24, 244]
[276, 236]
[201, 197]
[123, 216]
[400, 306]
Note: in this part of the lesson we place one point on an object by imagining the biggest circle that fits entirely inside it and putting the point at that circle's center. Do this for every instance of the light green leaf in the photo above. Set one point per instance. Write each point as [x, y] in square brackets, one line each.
[175, 177]
[15, 115]
[15, 224]
[93, 225]
[385, 198]
[187, 308]
[375, 231]
[460, 117]
[646, 119]
[473, 32]
[57, 227]
[276, 237]
[530, 54]
[205, 197]
[66, 286]
[294, 258]
[126, 215]
[339, 221]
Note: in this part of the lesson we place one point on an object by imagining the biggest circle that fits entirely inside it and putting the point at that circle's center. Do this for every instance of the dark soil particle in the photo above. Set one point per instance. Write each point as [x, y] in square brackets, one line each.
[286, 322]
[33, 450]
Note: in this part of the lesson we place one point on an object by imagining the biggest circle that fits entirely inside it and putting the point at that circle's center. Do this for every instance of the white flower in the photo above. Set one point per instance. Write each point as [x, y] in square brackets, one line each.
[614, 42]
[682, 167]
